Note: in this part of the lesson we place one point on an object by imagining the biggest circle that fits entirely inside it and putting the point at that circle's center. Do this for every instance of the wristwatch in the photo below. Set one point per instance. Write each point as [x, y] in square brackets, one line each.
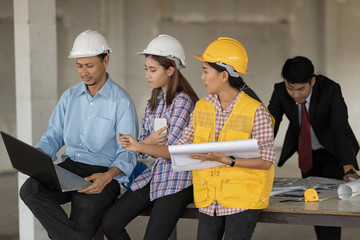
[351, 171]
[232, 161]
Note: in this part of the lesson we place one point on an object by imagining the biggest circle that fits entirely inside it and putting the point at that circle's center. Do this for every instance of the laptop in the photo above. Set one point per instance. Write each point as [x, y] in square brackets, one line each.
[40, 166]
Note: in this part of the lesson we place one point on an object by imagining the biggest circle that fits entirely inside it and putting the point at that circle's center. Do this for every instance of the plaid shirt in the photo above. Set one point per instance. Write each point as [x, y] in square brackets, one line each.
[262, 131]
[163, 181]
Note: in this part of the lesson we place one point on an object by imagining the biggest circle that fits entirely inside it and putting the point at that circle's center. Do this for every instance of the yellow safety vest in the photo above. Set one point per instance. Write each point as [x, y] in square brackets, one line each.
[232, 187]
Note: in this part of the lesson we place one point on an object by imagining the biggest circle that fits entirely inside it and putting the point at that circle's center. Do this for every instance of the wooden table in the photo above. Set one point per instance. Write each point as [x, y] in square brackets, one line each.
[331, 212]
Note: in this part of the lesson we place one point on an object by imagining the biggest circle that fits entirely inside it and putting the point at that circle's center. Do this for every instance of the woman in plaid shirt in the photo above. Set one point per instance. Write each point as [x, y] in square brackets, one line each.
[158, 186]
[229, 197]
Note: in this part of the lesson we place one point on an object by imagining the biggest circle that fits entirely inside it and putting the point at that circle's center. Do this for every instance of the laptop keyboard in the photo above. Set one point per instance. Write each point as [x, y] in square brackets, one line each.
[70, 181]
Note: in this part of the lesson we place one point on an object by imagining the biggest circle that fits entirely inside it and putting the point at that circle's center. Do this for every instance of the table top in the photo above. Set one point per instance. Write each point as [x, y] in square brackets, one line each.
[334, 206]
[331, 206]
[328, 212]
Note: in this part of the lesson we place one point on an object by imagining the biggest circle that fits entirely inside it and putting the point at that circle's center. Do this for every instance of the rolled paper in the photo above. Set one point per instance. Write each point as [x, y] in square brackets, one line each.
[349, 190]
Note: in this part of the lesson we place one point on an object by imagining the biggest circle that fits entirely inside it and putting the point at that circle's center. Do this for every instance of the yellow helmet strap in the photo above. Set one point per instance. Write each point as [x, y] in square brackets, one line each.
[230, 69]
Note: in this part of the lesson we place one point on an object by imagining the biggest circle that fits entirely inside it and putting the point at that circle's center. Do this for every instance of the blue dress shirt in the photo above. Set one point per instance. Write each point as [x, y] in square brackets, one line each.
[88, 127]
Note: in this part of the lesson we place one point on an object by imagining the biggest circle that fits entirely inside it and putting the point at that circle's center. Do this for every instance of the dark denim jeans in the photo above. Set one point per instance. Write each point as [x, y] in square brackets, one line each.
[239, 226]
[86, 210]
[164, 215]
[326, 165]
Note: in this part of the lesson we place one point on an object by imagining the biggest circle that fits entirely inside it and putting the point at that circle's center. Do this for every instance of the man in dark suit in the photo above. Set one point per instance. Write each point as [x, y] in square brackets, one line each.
[332, 144]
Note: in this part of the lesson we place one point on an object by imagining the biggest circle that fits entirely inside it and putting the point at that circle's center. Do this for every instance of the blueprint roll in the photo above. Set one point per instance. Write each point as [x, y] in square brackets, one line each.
[181, 160]
[349, 190]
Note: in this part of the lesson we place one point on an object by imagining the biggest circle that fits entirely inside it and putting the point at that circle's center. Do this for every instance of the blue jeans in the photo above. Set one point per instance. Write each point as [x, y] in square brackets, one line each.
[87, 210]
[239, 226]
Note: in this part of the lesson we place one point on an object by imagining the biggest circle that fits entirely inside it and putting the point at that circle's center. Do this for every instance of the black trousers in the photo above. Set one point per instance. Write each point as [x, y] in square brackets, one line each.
[87, 210]
[239, 226]
[165, 213]
[326, 165]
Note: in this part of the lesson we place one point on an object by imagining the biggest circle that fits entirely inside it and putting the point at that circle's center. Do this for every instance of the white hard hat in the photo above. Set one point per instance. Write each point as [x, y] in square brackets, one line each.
[88, 44]
[166, 46]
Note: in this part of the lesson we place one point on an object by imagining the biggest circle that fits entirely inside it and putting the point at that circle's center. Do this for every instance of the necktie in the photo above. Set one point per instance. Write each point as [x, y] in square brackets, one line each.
[304, 147]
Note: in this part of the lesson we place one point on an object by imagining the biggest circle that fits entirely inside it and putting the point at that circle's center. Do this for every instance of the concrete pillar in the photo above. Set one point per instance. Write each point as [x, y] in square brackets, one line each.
[305, 29]
[112, 25]
[330, 39]
[36, 84]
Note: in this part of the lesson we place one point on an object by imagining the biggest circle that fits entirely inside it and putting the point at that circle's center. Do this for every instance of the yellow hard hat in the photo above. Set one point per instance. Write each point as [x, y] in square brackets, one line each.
[228, 51]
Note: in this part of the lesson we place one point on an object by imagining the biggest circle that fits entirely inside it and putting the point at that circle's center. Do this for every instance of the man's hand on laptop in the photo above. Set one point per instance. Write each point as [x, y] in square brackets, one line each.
[99, 181]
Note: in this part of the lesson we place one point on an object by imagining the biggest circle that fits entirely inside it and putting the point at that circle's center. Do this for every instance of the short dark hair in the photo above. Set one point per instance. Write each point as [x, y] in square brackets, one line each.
[298, 70]
[102, 56]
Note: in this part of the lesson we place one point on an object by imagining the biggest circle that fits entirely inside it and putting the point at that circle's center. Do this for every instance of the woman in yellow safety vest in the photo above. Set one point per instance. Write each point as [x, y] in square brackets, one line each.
[229, 197]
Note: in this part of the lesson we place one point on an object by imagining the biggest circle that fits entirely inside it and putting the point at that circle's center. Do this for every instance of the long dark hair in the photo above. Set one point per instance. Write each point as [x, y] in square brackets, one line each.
[236, 82]
[177, 83]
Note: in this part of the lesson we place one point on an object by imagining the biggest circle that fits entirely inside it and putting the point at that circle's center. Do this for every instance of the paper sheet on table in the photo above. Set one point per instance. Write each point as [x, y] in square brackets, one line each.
[181, 160]
[280, 190]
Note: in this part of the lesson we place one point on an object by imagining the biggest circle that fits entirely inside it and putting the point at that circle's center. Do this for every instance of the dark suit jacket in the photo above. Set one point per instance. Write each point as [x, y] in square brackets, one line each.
[328, 118]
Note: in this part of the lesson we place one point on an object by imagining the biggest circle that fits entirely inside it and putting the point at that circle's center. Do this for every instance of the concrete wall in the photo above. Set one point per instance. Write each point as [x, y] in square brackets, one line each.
[271, 31]
[7, 80]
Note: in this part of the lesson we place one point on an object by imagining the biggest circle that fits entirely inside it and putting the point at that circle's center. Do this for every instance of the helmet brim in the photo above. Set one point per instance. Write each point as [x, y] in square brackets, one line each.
[82, 55]
[200, 57]
[141, 53]
[74, 54]
[181, 65]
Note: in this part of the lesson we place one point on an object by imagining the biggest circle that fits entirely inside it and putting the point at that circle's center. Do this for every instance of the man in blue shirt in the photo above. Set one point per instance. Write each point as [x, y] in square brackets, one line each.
[86, 120]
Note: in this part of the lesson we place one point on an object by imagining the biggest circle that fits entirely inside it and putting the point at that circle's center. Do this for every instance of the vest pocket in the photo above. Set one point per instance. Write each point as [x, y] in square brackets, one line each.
[201, 134]
[247, 190]
[200, 190]
[231, 135]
